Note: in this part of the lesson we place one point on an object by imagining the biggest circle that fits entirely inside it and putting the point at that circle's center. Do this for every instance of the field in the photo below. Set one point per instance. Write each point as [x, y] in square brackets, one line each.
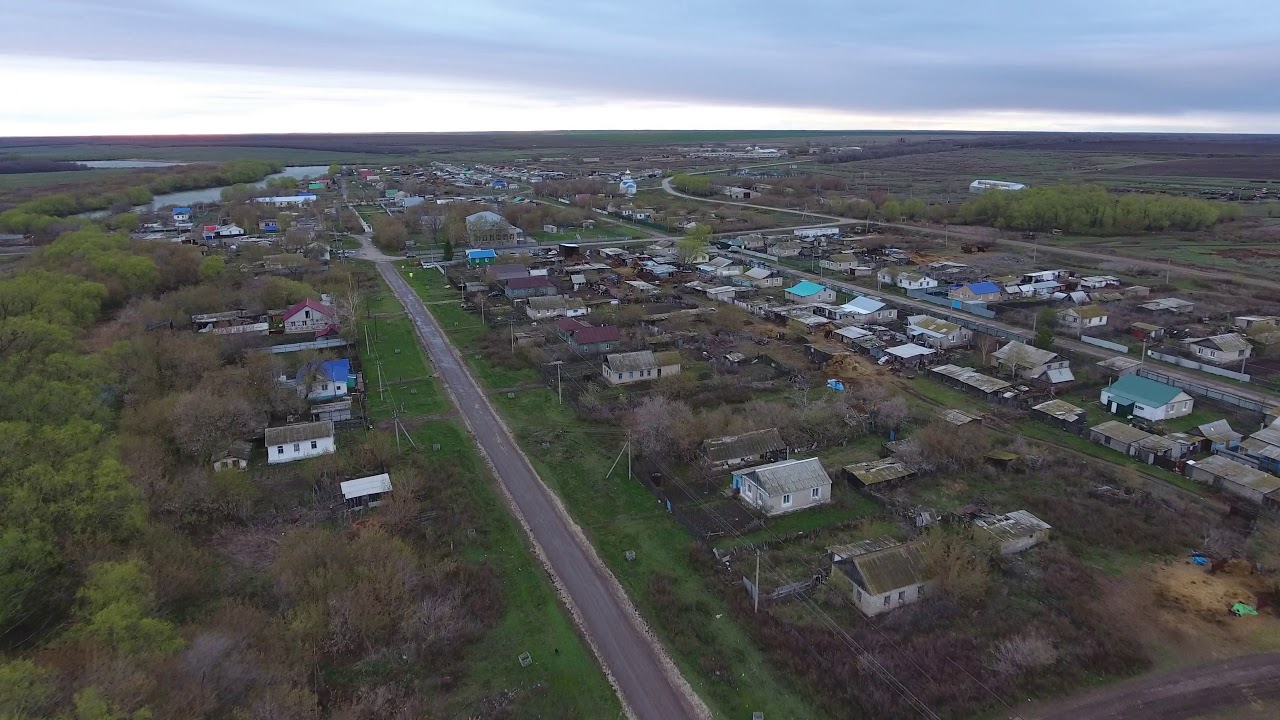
[51, 179]
[193, 153]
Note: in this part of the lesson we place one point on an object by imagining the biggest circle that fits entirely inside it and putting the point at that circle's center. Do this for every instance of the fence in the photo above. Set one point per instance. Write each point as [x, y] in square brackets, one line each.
[1203, 390]
[973, 308]
[1099, 342]
[1192, 364]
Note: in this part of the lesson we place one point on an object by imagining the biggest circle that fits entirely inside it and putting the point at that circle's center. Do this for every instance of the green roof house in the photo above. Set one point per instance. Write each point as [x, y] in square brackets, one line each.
[1146, 398]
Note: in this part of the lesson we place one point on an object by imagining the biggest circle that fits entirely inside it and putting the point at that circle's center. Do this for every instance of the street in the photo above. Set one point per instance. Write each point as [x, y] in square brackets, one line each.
[648, 683]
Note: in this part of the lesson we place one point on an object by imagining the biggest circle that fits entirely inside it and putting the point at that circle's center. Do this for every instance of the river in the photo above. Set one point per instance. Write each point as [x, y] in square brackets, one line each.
[205, 195]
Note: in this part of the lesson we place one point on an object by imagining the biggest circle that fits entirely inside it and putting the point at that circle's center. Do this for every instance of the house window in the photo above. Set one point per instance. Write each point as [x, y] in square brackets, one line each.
[920, 592]
[313, 444]
[306, 314]
[786, 500]
[902, 596]
[324, 386]
[887, 598]
[296, 447]
[631, 375]
[815, 493]
[619, 376]
[280, 450]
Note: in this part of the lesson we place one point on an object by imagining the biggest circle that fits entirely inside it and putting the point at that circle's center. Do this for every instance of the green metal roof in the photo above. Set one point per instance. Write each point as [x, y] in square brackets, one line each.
[1144, 390]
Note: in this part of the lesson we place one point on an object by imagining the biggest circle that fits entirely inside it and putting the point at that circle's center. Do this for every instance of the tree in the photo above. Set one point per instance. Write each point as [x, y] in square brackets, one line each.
[695, 242]
[335, 170]
[26, 690]
[118, 603]
[692, 184]
[891, 210]
[446, 250]
[1045, 322]
[654, 426]
[960, 563]
[390, 234]
[211, 268]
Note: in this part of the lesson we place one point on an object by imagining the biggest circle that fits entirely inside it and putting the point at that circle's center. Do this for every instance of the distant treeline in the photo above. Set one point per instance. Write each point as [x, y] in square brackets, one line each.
[1090, 209]
[13, 166]
[44, 214]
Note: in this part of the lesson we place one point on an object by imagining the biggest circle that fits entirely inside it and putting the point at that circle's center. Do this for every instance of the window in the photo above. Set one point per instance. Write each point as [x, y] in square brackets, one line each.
[786, 500]
[313, 444]
[815, 493]
[920, 592]
[296, 446]
[280, 450]
[306, 314]
[325, 386]
[902, 596]
[887, 598]
[619, 376]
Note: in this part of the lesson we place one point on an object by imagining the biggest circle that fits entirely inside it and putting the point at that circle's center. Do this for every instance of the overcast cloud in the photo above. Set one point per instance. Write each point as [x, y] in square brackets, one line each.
[323, 65]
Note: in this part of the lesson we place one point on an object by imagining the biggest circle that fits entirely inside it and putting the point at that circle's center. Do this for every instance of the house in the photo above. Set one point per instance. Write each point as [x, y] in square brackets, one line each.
[981, 186]
[784, 486]
[1118, 436]
[230, 230]
[737, 193]
[1032, 363]
[1146, 398]
[586, 339]
[907, 280]
[763, 277]
[1173, 305]
[477, 258]
[1218, 435]
[287, 200]
[627, 368]
[1263, 447]
[911, 355]
[884, 574]
[519, 288]
[750, 447]
[844, 262]
[785, 248]
[269, 226]
[1220, 349]
[182, 215]
[235, 456]
[937, 333]
[976, 292]
[506, 271]
[298, 442]
[1040, 276]
[1015, 531]
[877, 472]
[366, 492]
[863, 310]
[552, 306]
[489, 228]
[810, 292]
[1146, 331]
[308, 316]
[1083, 318]
[1236, 478]
[327, 380]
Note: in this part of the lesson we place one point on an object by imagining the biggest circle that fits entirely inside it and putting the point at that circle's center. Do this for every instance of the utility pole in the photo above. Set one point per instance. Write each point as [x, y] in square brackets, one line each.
[756, 594]
[628, 456]
[559, 385]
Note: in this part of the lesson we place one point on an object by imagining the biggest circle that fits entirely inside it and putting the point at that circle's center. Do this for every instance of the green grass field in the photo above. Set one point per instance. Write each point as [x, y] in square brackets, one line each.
[209, 153]
[50, 179]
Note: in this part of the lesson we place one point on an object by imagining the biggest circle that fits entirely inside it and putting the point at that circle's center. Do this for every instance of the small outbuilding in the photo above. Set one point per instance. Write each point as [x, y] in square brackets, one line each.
[366, 492]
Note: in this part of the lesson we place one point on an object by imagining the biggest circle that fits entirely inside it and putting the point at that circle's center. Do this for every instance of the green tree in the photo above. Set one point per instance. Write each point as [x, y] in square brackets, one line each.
[447, 249]
[118, 606]
[891, 210]
[1046, 319]
[695, 242]
[26, 690]
[335, 170]
[92, 704]
[211, 268]
[692, 184]
[390, 234]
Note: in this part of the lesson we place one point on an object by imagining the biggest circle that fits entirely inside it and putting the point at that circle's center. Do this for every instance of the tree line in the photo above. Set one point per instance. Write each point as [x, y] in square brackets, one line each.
[1090, 209]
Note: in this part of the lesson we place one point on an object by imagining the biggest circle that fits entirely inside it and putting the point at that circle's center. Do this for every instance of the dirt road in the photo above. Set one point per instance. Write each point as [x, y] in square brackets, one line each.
[645, 678]
[1253, 680]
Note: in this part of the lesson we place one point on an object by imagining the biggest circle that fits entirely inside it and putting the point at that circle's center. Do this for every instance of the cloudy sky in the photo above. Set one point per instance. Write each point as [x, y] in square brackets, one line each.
[71, 67]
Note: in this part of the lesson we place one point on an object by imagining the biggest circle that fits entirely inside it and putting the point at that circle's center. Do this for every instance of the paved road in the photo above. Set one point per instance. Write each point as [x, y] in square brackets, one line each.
[1180, 695]
[650, 687]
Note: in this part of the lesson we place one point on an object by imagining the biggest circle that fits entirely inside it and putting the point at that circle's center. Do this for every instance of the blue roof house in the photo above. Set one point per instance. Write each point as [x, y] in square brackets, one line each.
[985, 291]
[330, 379]
[810, 292]
[476, 258]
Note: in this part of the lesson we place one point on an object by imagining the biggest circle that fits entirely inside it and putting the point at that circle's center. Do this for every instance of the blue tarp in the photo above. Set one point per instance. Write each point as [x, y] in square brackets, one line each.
[835, 385]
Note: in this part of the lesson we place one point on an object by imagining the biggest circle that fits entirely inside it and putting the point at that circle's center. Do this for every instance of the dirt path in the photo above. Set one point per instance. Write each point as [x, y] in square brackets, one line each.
[1253, 680]
[645, 678]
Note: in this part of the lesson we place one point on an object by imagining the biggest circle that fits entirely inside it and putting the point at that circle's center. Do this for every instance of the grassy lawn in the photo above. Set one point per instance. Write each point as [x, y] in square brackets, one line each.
[419, 398]
[847, 505]
[564, 679]
[1040, 431]
[618, 514]
[396, 346]
[596, 233]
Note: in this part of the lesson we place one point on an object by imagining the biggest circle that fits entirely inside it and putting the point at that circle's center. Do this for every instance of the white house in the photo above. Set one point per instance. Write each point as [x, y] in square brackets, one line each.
[230, 230]
[1221, 349]
[763, 277]
[308, 316]
[906, 280]
[785, 486]
[299, 442]
[639, 366]
[883, 573]
[1146, 398]
[861, 310]
[980, 186]
[365, 492]
[1084, 317]
[542, 308]
[937, 333]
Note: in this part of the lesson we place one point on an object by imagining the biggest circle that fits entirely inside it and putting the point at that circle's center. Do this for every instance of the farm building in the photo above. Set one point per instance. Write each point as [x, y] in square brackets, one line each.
[1146, 398]
[1173, 305]
[755, 446]
[639, 366]
[1084, 317]
[1252, 484]
[235, 456]
[981, 186]
[877, 472]
[1015, 531]
[298, 442]
[783, 487]
[965, 377]
[883, 576]
[365, 492]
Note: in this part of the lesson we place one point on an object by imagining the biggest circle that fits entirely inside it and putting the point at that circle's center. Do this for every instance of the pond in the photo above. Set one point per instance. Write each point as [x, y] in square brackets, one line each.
[214, 194]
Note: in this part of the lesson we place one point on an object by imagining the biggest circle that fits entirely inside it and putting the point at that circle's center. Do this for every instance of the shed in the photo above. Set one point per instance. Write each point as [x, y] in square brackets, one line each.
[877, 472]
[1118, 436]
[1218, 435]
[235, 456]
[366, 492]
[1015, 531]
[744, 448]
[1233, 477]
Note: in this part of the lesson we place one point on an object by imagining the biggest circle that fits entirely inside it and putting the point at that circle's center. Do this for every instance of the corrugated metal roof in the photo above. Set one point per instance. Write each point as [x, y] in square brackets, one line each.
[757, 442]
[758, 273]
[1060, 375]
[1218, 431]
[892, 568]
[589, 335]
[983, 288]
[530, 282]
[1060, 409]
[1117, 430]
[878, 471]
[361, 487]
[632, 361]
[1229, 342]
[298, 433]
[788, 476]
[909, 351]
[862, 306]
[1230, 470]
[933, 326]
[805, 288]
[550, 302]
[1025, 356]
[1015, 525]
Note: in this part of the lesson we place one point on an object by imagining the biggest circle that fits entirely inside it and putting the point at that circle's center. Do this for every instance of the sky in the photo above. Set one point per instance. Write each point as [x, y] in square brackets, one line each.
[104, 67]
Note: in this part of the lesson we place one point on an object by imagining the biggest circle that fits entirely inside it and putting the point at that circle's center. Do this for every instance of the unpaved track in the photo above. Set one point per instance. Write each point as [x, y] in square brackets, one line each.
[1179, 695]
[637, 666]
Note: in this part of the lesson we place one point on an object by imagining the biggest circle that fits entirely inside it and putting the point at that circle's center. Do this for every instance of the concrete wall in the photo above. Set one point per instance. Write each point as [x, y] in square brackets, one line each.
[1186, 363]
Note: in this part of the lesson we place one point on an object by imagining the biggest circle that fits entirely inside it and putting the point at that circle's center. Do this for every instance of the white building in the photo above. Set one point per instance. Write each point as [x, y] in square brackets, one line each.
[883, 573]
[299, 442]
[978, 186]
[783, 487]
[627, 185]
[1224, 349]
[366, 492]
[286, 200]
[1146, 398]
[308, 316]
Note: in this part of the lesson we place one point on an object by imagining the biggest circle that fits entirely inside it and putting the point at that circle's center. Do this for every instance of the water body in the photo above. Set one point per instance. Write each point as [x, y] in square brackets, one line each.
[214, 194]
[128, 163]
